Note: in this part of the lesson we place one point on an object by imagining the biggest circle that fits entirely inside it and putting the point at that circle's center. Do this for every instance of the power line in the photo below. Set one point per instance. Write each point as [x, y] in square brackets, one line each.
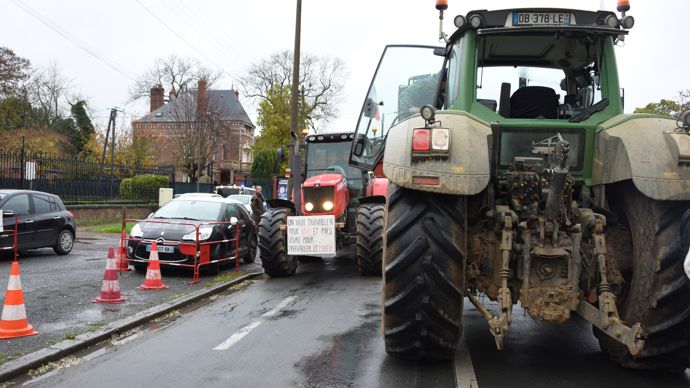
[183, 39]
[76, 41]
[186, 15]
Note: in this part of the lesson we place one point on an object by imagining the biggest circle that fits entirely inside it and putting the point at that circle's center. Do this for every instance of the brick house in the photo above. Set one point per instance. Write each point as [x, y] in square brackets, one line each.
[231, 158]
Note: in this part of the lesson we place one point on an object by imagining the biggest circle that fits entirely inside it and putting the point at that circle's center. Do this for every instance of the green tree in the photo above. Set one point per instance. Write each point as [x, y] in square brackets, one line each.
[15, 113]
[83, 127]
[273, 116]
[14, 71]
[664, 107]
[264, 163]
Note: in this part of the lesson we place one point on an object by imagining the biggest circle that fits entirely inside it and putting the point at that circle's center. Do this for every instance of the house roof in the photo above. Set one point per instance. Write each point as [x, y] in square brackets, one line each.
[225, 103]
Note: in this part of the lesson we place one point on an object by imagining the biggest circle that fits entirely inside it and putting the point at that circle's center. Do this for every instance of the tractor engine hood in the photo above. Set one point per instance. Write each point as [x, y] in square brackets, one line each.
[325, 194]
[324, 180]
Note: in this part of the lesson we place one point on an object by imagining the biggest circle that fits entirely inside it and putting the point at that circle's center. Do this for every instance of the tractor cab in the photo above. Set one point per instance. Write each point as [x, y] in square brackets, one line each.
[330, 182]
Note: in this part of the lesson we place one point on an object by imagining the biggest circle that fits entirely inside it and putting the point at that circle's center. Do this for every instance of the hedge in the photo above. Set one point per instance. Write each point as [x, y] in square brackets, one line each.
[142, 186]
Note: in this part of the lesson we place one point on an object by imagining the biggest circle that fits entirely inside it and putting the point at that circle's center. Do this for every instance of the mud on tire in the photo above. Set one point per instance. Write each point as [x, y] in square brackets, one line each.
[658, 294]
[273, 244]
[424, 261]
[370, 238]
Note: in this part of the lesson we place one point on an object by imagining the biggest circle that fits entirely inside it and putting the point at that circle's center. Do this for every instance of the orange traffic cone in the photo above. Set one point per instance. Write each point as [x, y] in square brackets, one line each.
[14, 322]
[110, 288]
[122, 264]
[153, 280]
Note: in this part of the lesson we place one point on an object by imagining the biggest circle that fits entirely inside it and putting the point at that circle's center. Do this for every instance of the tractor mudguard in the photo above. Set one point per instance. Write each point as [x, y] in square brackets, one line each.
[277, 203]
[465, 172]
[378, 187]
[372, 199]
[646, 149]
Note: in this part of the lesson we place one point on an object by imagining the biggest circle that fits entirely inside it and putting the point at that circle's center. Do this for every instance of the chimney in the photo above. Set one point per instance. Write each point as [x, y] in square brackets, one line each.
[201, 101]
[157, 93]
[237, 93]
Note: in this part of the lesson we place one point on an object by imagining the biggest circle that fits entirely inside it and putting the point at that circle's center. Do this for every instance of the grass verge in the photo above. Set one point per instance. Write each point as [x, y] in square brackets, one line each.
[224, 278]
[110, 228]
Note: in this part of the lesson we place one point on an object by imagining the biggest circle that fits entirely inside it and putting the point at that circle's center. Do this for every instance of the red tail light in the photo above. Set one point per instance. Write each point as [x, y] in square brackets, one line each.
[421, 139]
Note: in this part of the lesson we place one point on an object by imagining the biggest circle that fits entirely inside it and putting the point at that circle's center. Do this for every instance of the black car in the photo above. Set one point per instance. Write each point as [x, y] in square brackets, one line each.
[174, 228]
[43, 221]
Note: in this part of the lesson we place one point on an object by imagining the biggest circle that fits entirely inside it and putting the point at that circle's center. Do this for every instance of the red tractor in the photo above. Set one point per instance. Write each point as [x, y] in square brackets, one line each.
[347, 202]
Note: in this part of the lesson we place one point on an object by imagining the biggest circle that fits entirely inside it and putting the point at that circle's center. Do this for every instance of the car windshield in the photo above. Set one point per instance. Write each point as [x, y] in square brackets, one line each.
[190, 209]
[245, 199]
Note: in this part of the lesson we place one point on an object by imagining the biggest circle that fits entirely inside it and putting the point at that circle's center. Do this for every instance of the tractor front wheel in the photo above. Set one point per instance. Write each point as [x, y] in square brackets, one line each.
[273, 243]
[370, 238]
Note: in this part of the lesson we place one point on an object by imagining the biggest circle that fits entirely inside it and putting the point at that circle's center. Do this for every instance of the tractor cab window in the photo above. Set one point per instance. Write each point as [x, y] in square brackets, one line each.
[538, 77]
[332, 158]
[406, 79]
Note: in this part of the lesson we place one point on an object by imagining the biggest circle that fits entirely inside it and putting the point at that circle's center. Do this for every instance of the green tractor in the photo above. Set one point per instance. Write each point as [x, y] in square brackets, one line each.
[515, 174]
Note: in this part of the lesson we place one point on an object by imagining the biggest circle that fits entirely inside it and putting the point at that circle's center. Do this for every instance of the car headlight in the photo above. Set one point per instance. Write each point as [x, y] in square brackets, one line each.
[204, 234]
[136, 231]
[328, 206]
[308, 206]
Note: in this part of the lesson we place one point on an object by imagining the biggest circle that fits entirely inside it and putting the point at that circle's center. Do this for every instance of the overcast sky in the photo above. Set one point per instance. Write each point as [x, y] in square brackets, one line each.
[232, 34]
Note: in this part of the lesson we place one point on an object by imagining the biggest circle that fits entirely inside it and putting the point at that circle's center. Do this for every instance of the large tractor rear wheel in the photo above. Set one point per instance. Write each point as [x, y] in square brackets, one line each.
[370, 238]
[424, 270]
[273, 244]
[657, 291]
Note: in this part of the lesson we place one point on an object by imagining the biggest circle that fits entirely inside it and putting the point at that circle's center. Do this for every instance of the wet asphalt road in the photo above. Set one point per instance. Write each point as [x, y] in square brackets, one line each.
[58, 291]
[317, 329]
[321, 329]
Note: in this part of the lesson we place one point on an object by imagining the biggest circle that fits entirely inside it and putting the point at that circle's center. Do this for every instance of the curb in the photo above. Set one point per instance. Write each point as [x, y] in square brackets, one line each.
[33, 360]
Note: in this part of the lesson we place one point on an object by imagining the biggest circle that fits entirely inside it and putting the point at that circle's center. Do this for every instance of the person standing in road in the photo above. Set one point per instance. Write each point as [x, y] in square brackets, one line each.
[257, 205]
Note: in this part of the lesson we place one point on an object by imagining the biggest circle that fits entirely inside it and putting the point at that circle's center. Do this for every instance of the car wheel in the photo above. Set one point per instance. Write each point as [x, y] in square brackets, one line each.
[251, 254]
[64, 242]
[139, 267]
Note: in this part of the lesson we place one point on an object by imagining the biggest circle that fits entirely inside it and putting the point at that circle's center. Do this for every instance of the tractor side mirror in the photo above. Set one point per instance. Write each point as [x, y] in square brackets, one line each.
[370, 108]
[359, 146]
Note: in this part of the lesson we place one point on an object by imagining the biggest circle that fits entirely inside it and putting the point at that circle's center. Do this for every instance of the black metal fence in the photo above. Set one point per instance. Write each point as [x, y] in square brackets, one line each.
[71, 178]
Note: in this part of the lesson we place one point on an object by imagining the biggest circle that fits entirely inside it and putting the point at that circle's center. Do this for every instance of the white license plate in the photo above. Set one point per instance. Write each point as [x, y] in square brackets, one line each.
[162, 249]
[542, 19]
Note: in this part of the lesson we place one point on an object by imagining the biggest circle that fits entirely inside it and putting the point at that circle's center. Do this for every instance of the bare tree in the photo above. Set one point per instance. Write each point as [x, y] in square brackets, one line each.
[48, 91]
[176, 74]
[196, 130]
[321, 80]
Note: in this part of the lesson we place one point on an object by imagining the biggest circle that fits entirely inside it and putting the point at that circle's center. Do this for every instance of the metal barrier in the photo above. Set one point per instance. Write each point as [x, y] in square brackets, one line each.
[198, 251]
[15, 233]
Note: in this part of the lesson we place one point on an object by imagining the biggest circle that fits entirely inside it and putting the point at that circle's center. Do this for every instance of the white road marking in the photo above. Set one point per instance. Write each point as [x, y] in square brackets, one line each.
[235, 338]
[279, 306]
[464, 371]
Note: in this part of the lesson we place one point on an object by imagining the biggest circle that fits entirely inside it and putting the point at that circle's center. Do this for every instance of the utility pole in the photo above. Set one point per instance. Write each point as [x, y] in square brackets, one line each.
[111, 127]
[294, 131]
